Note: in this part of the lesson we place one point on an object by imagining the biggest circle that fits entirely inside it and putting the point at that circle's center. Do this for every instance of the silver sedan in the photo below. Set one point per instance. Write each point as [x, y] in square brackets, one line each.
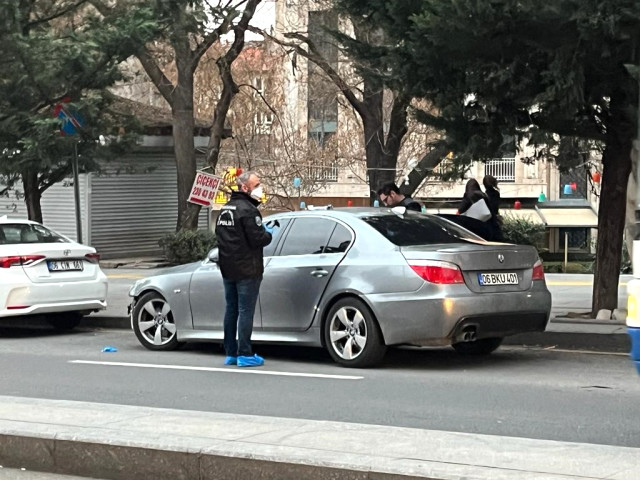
[356, 281]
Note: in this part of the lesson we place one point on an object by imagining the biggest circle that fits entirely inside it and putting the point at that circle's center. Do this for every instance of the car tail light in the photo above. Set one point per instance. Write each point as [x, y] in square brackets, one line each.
[92, 257]
[437, 272]
[8, 262]
[17, 307]
[538, 271]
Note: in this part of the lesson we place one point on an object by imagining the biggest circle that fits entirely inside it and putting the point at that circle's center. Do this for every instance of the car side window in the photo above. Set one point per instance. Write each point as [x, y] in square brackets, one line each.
[278, 226]
[308, 236]
[340, 240]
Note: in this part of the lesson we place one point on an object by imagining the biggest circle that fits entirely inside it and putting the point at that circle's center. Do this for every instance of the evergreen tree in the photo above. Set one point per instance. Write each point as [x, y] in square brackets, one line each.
[529, 70]
[57, 60]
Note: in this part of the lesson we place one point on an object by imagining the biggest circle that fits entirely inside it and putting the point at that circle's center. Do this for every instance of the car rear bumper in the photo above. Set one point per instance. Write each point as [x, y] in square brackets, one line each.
[30, 298]
[420, 319]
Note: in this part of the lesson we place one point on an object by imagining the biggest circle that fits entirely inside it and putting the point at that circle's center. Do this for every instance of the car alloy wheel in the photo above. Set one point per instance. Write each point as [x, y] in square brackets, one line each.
[154, 324]
[348, 333]
[352, 335]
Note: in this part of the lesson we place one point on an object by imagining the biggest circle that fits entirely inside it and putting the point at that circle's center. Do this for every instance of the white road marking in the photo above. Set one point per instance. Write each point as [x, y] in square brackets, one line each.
[223, 370]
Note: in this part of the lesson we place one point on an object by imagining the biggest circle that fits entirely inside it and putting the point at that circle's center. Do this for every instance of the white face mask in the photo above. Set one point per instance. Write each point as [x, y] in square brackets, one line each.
[257, 193]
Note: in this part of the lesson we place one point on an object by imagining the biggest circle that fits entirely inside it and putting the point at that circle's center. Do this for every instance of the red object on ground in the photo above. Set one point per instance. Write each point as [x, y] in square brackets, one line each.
[517, 205]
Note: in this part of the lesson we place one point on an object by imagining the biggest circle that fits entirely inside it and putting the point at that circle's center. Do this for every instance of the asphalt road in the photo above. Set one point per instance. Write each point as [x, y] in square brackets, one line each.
[522, 392]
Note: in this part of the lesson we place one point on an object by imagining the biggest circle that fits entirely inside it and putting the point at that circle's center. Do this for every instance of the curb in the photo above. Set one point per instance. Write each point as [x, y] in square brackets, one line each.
[121, 442]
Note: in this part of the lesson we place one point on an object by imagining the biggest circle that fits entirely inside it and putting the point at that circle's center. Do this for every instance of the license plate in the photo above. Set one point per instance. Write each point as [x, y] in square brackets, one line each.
[498, 278]
[65, 265]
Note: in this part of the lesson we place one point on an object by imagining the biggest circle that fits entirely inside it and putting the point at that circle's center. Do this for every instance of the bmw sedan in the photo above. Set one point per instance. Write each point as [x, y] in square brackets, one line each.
[43, 272]
[356, 281]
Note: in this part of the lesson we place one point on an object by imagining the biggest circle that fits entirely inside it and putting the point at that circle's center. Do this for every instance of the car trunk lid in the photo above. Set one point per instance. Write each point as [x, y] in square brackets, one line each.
[486, 268]
[46, 263]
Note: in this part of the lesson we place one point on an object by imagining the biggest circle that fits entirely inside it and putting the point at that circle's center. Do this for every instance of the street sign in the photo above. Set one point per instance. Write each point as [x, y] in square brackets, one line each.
[204, 189]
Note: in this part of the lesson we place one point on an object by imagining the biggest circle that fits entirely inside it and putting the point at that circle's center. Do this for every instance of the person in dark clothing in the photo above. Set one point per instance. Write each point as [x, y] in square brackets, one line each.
[493, 193]
[472, 193]
[390, 196]
[241, 238]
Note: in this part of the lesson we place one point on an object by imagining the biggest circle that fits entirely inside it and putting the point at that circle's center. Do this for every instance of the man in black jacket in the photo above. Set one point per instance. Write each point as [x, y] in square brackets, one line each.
[241, 238]
[390, 196]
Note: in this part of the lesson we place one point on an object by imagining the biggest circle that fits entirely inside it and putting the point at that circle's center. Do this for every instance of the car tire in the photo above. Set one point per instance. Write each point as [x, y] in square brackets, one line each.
[64, 321]
[352, 335]
[153, 323]
[483, 346]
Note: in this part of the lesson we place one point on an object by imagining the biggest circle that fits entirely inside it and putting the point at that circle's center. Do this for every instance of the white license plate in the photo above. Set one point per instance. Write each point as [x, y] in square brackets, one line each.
[64, 265]
[498, 278]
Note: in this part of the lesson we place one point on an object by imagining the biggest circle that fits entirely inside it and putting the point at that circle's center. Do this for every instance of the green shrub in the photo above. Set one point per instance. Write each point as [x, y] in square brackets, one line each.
[187, 246]
[522, 231]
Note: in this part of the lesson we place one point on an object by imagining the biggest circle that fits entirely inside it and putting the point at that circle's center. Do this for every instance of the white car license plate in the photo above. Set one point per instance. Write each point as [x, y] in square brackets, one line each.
[498, 278]
[64, 265]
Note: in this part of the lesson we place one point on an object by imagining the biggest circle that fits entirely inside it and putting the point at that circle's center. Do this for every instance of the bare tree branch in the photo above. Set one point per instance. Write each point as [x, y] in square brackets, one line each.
[157, 76]
[314, 55]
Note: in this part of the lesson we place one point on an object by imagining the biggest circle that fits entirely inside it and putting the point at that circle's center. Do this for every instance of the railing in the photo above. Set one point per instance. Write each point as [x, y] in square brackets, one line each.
[503, 169]
[321, 173]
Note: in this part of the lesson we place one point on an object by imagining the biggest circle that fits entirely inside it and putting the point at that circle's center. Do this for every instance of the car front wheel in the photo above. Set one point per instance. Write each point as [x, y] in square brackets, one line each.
[483, 346]
[153, 323]
[352, 335]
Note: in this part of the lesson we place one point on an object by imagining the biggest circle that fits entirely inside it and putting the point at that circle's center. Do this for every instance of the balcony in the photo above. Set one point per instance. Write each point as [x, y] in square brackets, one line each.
[322, 173]
[503, 169]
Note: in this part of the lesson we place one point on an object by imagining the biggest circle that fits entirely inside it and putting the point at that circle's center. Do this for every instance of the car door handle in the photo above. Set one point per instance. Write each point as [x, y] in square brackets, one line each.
[319, 273]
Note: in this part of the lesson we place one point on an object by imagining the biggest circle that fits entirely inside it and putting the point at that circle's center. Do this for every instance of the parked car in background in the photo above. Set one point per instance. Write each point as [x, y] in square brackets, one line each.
[356, 281]
[43, 272]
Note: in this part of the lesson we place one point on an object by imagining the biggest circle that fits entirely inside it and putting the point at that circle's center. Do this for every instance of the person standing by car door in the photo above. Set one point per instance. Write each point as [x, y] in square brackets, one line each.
[390, 196]
[241, 238]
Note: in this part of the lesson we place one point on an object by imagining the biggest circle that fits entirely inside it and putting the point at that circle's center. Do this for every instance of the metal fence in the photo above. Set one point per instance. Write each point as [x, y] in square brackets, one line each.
[503, 169]
[323, 173]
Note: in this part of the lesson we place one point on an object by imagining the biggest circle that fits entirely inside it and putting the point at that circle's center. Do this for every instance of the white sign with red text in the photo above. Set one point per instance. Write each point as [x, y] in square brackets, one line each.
[204, 190]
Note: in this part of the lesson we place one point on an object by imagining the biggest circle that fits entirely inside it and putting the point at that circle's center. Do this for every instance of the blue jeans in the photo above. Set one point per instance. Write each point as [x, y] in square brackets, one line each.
[241, 297]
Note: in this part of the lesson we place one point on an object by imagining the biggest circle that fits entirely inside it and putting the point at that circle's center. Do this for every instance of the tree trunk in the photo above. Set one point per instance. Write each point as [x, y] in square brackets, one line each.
[424, 168]
[611, 220]
[183, 127]
[32, 195]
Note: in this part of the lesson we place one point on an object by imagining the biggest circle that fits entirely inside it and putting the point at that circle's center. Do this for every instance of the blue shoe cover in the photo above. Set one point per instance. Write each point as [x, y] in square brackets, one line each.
[231, 361]
[254, 361]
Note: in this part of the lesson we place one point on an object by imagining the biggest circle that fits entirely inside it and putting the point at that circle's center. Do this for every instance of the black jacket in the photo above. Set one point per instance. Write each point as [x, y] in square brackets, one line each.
[494, 200]
[241, 238]
[410, 204]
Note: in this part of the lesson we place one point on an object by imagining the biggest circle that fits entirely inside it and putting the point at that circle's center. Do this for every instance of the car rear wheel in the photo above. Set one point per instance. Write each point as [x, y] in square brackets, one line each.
[153, 323]
[65, 320]
[352, 335]
[483, 346]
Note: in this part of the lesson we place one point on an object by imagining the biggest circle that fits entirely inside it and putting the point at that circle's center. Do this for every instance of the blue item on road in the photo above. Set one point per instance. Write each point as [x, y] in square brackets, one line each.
[109, 350]
[634, 333]
[254, 361]
[231, 361]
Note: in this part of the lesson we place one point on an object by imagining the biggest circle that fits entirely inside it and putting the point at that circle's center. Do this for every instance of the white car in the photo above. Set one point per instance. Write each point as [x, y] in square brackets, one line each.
[45, 273]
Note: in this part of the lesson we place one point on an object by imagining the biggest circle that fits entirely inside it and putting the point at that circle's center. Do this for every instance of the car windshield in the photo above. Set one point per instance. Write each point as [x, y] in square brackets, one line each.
[15, 233]
[417, 229]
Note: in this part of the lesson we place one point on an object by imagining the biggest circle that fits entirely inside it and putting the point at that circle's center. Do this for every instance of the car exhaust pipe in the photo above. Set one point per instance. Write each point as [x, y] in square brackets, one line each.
[468, 334]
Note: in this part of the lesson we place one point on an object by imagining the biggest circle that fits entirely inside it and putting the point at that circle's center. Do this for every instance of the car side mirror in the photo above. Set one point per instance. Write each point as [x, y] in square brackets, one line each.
[213, 255]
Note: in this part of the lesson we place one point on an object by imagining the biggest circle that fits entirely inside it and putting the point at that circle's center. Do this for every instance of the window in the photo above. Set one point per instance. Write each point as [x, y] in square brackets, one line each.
[578, 238]
[278, 225]
[418, 229]
[340, 240]
[15, 233]
[308, 236]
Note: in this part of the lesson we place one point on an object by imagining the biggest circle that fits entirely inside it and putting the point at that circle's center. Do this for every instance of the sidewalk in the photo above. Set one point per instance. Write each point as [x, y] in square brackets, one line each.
[123, 443]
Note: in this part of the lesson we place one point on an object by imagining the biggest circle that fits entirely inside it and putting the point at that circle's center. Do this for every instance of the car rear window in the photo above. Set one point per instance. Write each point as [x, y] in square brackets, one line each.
[15, 233]
[418, 229]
